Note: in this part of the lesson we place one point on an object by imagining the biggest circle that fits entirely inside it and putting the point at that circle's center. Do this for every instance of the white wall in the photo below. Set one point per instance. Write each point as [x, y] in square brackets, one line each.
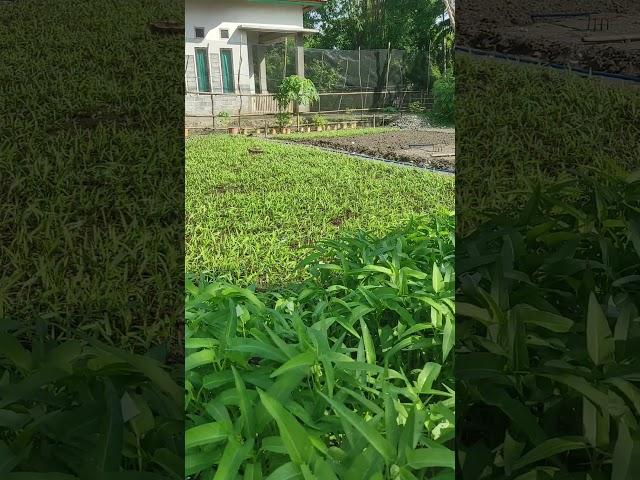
[215, 15]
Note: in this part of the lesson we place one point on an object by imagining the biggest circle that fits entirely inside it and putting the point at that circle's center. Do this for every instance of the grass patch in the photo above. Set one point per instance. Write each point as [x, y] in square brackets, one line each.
[522, 124]
[356, 132]
[90, 172]
[250, 215]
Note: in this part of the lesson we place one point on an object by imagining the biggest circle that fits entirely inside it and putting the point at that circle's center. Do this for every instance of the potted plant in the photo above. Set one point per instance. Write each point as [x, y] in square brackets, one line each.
[222, 119]
[283, 119]
[293, 90]
[320, 122]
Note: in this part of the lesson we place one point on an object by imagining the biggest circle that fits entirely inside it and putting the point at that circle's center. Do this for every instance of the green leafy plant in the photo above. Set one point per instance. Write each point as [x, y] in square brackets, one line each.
[283, 119]
[416, 107]
[548, 309]
[391, 110]
[323, 75]
[320, 120]
[223, 119]
[224, 233]
[81, 408]
[347, 374]
[297, 90]
[444, 98]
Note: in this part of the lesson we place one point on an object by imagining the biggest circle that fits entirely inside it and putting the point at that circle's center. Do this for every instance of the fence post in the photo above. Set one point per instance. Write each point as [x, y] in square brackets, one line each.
[374, 120]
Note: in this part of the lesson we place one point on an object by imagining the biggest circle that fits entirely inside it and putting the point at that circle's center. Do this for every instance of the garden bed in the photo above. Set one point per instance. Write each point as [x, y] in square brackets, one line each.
[427, 148]
[251, 215]
[556, 39]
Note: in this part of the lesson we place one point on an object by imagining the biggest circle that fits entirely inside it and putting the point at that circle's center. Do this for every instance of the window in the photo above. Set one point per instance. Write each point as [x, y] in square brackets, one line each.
[226, 60]
[202, 68]
[224, 33]
[199, 32]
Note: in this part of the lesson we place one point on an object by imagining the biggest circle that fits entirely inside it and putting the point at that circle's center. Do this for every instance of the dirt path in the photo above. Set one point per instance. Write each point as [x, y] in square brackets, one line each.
[433, 148]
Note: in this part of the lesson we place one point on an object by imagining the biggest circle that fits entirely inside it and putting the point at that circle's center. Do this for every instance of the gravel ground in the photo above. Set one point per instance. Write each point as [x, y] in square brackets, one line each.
[411, 122]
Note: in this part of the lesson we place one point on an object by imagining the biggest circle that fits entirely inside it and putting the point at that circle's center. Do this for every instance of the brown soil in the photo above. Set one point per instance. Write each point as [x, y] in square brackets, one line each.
[425, 148]
[507, 27]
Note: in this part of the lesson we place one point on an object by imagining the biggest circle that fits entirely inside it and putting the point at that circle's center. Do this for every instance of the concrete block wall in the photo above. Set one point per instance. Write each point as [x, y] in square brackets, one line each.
[215, 72]
[190, 77]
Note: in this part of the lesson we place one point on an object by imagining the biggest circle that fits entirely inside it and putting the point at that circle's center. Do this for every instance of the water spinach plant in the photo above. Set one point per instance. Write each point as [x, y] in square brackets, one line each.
[548, 335]
[345, 375]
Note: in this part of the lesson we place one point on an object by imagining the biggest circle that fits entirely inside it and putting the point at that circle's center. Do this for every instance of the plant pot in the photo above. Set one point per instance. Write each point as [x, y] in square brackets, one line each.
[285, 130]
[345, 125]
[233, 130]
[318, 128]
[354, 124]
[186, 132]
[273, 131]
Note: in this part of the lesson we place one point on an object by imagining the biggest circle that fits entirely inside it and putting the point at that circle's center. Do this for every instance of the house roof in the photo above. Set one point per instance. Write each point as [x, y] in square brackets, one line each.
[303, 3]
[268, 28]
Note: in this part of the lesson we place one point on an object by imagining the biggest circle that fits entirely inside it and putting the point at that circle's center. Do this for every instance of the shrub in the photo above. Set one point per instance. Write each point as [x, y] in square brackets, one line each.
[79, 408]
[391, 110]
[283, 119]
[346, 372]
[320, 121]
[416, 107]
[444, 98]
[300, 91]
[548, 311]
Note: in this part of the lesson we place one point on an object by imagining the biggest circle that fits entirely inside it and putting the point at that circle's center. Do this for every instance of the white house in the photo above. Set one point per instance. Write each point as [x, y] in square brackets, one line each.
[224, 39]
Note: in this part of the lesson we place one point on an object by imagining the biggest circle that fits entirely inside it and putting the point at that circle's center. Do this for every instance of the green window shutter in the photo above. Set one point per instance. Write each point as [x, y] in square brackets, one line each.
[226, 59]
[202, 67]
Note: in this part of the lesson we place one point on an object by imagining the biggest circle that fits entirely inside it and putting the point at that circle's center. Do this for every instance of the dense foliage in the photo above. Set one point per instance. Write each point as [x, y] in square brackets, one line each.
[81, 409]
[516, 123]
[444, 99]
[419, 27]
[548, 335]
[346, 375]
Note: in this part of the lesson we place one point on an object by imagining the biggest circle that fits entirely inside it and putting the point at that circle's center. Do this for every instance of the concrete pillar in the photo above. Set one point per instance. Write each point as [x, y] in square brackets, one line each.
[300, 62]
[262, 69]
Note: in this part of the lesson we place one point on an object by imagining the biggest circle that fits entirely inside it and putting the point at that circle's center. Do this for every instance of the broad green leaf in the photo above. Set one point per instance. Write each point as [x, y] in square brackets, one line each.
[257, 349]
[437, 280]
[547, 320]
[245, 405]
[294, 436]
[369, 347]
[448, 337]
[11, 348]
[431, 457]
[233, 456]
[109, 449]
[368, 431]
[304, 359]
[547, 449]
[198, 359]
[600, 343]
[205, 434]
[288, 471]
[622, 454]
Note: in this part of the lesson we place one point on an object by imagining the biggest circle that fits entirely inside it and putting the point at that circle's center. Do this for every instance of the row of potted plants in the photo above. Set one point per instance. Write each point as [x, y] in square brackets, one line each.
[307, 127]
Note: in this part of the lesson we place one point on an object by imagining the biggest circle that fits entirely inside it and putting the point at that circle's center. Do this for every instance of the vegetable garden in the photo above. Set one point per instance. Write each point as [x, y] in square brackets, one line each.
[325, 352]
